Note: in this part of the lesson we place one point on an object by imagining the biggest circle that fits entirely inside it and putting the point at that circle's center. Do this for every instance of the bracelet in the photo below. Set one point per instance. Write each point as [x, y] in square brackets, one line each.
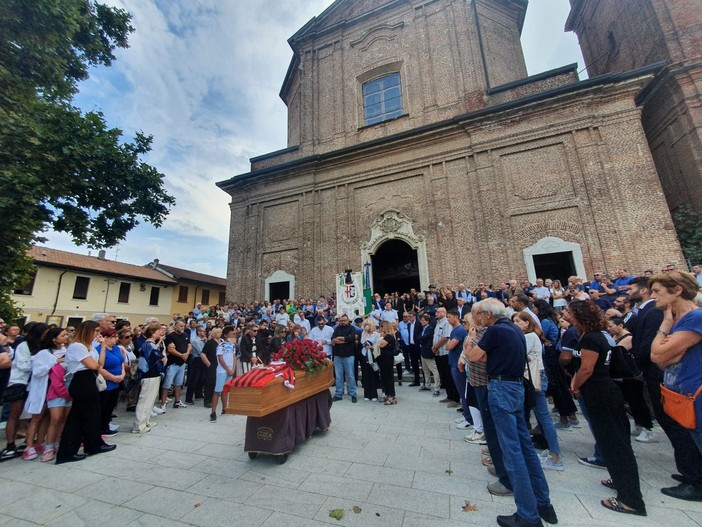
[663, 333]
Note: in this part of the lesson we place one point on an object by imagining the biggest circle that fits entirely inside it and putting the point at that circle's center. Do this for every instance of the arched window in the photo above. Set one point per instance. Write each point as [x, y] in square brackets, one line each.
[382, 99]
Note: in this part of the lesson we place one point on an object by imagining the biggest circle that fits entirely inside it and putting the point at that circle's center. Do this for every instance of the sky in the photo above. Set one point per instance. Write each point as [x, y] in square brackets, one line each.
[203, 77]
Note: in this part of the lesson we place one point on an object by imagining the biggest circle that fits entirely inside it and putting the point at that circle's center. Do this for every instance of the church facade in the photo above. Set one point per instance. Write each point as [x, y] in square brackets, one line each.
[419, 148]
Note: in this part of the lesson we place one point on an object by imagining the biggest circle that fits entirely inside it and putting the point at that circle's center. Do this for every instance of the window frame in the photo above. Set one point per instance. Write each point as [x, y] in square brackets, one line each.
[155, 290]
[384, 114]
[128, 288]
[183, 291]
[27, 288]
[76, 290]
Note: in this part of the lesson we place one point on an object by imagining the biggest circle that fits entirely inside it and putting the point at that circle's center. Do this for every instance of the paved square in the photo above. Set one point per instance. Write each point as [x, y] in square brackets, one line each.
[404, 465]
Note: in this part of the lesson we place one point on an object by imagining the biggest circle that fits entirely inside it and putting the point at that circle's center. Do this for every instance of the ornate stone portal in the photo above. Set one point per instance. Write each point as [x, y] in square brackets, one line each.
[393, 225]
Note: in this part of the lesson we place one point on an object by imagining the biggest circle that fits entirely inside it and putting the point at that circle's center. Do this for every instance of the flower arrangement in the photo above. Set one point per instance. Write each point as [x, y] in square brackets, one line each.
[305, 355]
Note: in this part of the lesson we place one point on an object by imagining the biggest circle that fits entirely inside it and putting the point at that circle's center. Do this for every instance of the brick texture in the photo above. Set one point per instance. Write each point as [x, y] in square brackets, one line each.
[481, 173]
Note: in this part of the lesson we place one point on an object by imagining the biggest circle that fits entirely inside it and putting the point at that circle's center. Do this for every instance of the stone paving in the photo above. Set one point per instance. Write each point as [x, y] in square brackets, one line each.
[405, 465]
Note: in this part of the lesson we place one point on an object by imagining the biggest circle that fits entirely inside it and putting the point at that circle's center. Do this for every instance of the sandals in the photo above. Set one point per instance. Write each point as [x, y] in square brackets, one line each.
[487, 460]
[615, 505]
[608, 483]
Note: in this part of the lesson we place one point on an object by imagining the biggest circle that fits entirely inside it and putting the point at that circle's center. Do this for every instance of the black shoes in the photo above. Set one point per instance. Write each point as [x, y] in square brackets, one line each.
[102, 449]
[76, 457]
[424, 389]
[684, 491]
[213, 417]
[516, 521]
[353, 399]
[414, 385]
[335, 398]
[548, 514]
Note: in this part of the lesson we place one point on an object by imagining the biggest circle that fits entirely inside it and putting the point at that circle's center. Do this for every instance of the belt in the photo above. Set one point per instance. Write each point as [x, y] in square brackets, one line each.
[514, 378]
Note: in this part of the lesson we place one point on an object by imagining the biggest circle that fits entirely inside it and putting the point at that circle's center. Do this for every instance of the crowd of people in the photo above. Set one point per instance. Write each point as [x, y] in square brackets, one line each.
[494, 354]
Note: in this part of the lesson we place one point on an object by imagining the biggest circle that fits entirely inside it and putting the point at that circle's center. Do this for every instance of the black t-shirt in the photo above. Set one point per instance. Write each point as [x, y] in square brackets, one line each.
[390, 348]
[597, 342]
[210, 351]
[505, 346]
[180, 341]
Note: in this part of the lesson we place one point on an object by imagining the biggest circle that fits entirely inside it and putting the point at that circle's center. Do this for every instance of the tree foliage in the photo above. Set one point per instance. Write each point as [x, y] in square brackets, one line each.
[61, 168]
[688, 224]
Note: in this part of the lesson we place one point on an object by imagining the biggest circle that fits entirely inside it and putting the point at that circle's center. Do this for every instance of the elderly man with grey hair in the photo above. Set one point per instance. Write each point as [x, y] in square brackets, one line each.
[503, 349]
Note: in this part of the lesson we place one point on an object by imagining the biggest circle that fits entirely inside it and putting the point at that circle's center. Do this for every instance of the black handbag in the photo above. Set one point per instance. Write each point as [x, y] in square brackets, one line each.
[622, 364]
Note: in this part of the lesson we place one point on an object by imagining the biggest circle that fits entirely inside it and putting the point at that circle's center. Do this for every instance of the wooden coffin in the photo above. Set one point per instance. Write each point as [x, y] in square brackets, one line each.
[260, 401]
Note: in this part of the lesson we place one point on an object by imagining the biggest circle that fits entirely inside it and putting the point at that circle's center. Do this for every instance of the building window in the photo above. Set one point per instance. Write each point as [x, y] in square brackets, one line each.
[183, 294]
[74, 322]
[80, 290]
[28, 287]
[205, 296]
[382, 99]
[222, 297]
[124, 289]
[153, 298]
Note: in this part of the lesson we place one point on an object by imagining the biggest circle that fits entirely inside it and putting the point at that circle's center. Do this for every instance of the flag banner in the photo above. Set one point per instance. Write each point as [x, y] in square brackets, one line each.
[349, 297]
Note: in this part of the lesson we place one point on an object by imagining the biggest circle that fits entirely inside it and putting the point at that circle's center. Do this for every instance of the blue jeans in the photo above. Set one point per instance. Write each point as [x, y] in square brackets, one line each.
[543, 416]
[459, 380]
[506, 399]
[493, 444]
[343, 366]
[596, 454]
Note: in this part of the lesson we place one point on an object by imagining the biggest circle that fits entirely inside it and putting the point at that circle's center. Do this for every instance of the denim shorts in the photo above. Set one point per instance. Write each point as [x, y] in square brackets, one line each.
[222, 378]
[59, 402]
[174, 375]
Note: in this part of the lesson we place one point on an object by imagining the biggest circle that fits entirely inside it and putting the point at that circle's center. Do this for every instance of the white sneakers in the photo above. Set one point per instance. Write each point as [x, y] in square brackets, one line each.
[476, 438]
[159, 410]
[645, 436]
[463, 425]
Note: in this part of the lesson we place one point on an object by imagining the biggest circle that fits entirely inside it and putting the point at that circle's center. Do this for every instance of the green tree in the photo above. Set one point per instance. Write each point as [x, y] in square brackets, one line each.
[688, 224]
[61, 168]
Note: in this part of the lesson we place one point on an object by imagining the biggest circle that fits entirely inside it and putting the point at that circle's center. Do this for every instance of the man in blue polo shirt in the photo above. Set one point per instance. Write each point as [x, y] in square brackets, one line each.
[503, 348]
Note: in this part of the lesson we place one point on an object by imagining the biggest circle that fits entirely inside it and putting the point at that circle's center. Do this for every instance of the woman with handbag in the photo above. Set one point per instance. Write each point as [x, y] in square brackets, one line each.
[369, 366]
[626, 375]
[113, 372]
[537, 374]
[677, 349]
[83, 422]
[559, 384]
[605, 407]
[385, 357]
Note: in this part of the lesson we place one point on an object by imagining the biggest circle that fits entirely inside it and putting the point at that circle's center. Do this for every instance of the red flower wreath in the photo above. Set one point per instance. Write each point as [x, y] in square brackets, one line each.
[305, 355]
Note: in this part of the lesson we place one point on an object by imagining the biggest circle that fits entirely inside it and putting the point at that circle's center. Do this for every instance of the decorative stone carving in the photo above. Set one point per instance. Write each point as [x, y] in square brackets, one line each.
[393, 225]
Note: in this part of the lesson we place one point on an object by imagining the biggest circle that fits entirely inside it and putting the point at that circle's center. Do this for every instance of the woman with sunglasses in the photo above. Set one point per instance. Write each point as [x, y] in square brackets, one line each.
[125, 341]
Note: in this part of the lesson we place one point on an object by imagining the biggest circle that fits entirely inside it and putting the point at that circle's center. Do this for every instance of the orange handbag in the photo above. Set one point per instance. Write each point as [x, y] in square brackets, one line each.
[680, 407]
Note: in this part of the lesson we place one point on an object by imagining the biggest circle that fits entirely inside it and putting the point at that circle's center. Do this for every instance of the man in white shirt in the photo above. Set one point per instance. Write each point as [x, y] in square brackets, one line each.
[388, 314]
[442, 331]
[322, 334]
[282, 317]
[541, 292]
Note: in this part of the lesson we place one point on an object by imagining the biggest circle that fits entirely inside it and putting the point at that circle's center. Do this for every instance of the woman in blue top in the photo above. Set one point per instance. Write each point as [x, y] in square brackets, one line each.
[677, 348]
[113, 371]
[558, 382]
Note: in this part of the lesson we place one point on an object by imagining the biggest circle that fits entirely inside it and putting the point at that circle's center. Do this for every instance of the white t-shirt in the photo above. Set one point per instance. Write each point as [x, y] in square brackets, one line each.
[226, 350]
[389, 316]
[325, 334]
[76, 353]
[282, 318]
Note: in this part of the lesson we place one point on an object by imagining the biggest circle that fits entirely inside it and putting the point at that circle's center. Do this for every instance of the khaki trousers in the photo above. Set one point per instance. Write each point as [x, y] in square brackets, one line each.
[147, 398]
